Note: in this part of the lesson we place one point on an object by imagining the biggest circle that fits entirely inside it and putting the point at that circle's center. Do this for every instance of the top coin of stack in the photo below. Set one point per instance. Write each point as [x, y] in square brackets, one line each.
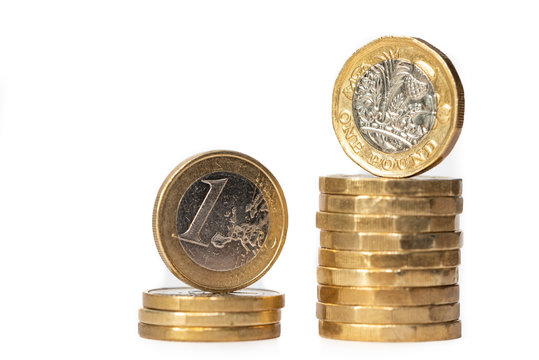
[388, 258]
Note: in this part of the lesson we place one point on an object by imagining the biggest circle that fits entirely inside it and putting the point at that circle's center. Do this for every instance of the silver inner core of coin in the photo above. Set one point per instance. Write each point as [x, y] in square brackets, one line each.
[394, 105]
[222, 221]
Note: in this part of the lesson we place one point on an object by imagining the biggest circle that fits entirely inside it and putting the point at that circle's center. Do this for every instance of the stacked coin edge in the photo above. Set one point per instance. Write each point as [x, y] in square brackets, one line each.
[388, 258]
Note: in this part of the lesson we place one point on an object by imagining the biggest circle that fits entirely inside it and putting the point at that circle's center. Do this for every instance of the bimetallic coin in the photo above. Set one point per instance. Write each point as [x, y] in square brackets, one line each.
[398, 107]
[209, 334]
[422, 186]
[386, 223]
[388, 259]
[390, 241]
[425, 314]
[390, 296]
[379, 205]
[220, 221]
[189, 299]
[390, 333]
[386, 277]
[209, 319]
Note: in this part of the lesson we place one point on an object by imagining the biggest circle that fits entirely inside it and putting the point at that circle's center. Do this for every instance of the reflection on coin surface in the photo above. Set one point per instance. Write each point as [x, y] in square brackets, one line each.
[220, 221]
[398, 106]
[190, 299]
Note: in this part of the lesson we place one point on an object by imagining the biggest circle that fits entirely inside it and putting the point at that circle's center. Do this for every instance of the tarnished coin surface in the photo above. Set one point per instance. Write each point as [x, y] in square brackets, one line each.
[398, 106]
[420, 186]
[386, 223]
[208, 319]
[220, 221]
[390, 296]
[390, 241]
[386, 277]
[424, 314]
[394, 205]
[189, 299]
[390, 333]
[388, 259]
[209, 334]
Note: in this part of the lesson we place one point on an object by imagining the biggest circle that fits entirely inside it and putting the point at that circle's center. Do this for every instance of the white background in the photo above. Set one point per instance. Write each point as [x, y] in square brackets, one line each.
[99, 100]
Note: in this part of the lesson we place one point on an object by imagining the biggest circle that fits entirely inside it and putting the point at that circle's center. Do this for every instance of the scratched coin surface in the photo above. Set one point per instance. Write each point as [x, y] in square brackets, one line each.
[220, 221]
[398, 106]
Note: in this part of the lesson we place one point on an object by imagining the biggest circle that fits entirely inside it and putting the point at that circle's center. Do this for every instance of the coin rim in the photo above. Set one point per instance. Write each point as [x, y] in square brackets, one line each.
[449, 92]
[217, 302]
[164, 221]
[208, 319]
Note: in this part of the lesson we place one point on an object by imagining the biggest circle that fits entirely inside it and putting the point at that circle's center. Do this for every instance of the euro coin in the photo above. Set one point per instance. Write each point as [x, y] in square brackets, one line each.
[209, 334]
[378, 205]
[390, 241]
[220, 221]
[386, 277]
[398, 107]
[385, 223]
[188, 299]
[388, 259]
[208, 319]
[423, 186]
[390, 296]
[424, 314]
[390, 333]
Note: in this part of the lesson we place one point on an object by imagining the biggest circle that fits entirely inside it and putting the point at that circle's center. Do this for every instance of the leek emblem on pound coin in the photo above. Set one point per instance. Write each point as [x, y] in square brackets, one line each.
[398, 107]
[220, 221]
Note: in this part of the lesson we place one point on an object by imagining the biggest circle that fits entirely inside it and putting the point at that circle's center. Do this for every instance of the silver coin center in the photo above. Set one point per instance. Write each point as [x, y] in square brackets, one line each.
[222, 221]
[394, 105]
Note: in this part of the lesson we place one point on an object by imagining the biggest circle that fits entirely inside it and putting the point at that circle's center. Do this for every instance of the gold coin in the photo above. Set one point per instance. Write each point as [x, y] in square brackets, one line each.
[398, 107]
[238, 333]
[390, 241]
[388, 259]
[385, 223]
[425, 314]
[220, 221]
[391, 296]
[386, 277]
[423, 186]
[189, 299]
[378, 205]
[208, 319]
[390, 333]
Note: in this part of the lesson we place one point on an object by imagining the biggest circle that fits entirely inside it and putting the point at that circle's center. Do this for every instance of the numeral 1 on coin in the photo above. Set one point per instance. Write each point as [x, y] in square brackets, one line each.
[192, 235]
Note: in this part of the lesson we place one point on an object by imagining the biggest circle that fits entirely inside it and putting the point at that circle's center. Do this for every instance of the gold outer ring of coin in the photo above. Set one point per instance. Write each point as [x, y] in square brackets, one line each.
[208, 319]
[390, 333]
[388, 259]
[449, 93]
[425, 314]
[390, 241]
[386, 277]
[189, 299]
[209, 334]
[390, 296]
[376, 186]
[378, 205]
[386, 223]
[165, 212]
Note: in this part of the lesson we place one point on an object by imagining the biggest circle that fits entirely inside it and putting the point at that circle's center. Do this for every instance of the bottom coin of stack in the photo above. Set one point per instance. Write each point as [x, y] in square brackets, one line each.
[388, 260]
[187, 314]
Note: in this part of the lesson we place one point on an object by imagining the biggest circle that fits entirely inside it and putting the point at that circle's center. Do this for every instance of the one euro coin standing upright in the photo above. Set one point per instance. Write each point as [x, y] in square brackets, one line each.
[398, 107]
[220, 221]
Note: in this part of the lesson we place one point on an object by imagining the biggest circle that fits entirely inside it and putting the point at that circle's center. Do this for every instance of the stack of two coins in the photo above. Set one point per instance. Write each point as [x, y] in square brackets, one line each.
[187, 314]
[388, 258]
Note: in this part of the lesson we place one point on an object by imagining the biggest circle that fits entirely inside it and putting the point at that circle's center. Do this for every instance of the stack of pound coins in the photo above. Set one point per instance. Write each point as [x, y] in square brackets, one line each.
[388, 258]
[188, 314]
